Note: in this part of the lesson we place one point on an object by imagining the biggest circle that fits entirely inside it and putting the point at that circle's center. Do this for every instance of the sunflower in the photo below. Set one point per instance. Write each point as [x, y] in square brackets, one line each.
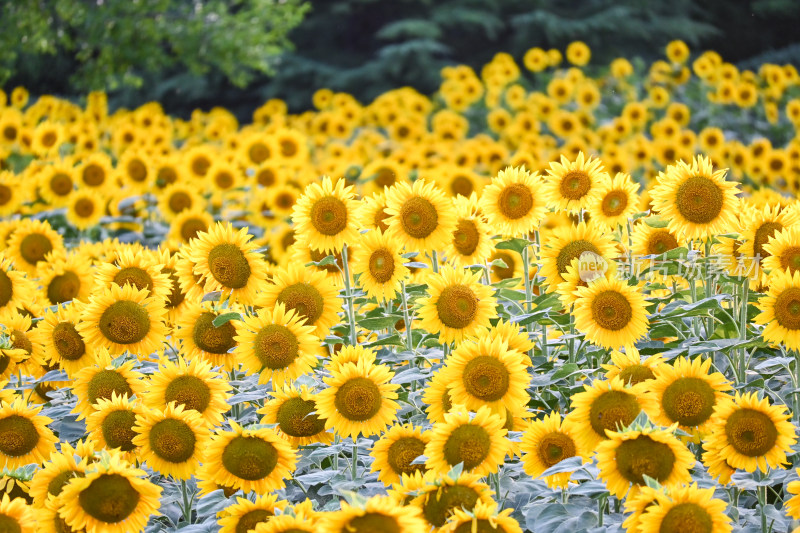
[437, 397]
[56, 182]
[24, 435]
[514, 204]
[686, 393]
[573, 185]
[199, 337]
[111, 425]
[31, 241]
[102, 379]
[27, 344]
[282, 200]
[177, 198]
[189, 224]
[615, 202]
[171, 441]
[782, 251]
[62, 342]
[487, 372]
[245, 515]
[483, 517]
[15, 515]
[718, 467]
[176, 299]
[65, 278]
[792, 505]
[547, 442]
[83, 210]
[113, 497]
[255, 459]
[631, 368]
[311, 295]
[379, 513]
[379, 265]
[396, 450]
[604, 405]
[458, 305]
[780, 310]
[471, 242]
[750, 433]
[193, 386]
[62, 466]
[421, 217]
[566, 243]
[139, 269]
[294, 412]
[359, 400]
[438, 497]
[325, 214]
[637, 504]
[228, 262]
[687, 508]
[15, 288]
[370, 213]
[695, 199]
[610, 313]
[123, 318]
[516, 338]
[649, 240]
[627, 456]
[480, 442]
[303, 254]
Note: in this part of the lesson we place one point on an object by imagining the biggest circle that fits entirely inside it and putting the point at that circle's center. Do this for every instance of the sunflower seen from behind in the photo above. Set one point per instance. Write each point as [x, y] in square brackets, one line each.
[421, 218]
[547, 442]
[294, 413]
[396, 450]
[326, 215]
[631, 368]
[514, 203]
[379, 265]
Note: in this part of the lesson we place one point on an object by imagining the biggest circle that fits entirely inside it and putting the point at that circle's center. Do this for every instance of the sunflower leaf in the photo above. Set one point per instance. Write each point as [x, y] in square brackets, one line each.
[567, 465]
[325, 261]
[224, 318]
[516, 245]
[378, 323]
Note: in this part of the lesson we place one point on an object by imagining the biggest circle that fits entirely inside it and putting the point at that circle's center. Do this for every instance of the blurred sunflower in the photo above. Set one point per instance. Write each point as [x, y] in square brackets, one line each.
[16, 515]
[65, 278]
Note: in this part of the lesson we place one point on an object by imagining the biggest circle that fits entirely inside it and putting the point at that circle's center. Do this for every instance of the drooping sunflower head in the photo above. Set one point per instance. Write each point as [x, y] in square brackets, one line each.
[471, 241]
[325, 215]
[421, 217]
[514, 204]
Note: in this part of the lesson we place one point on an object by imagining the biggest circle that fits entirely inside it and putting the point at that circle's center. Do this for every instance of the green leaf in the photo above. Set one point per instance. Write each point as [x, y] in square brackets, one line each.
[224, 318]
[325, 261]
[391, 340]
[516, 245]
[378, 323]
[566, 370]
[499, 263]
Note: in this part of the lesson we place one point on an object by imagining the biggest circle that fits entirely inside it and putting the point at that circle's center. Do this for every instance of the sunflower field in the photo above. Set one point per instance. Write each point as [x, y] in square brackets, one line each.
[550, 297]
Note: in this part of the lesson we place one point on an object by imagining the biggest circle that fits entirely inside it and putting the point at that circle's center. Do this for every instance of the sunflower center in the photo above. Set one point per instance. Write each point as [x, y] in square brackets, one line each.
[61, 184]
[402, 452]
[125, 322]
[285, 200]
[688, 401]
[178, 201]
[419, 217]
[611, 310]
[687, 518]
[249, 458]
[84, 207]
[229, 265]
[466, 237]
[211, 339]
[20, 341]
[515, 201]
[172, 440]
[555, 447]
[94, 175]
[750, 432]
[643, 456]
[575, 185]
[790, 258]
[787, 308]
[6, 288]
[106, 382]
[573, 250]
[358, 399]
[612, 410]
[266, 177]
[200, 165]
[258, 152]
[661, 241]
[763, 234]
[191, 227]
[63, 288]
[329, 215]
[34, 247]
[18, 436]
[249, 521]
[614, 203]
[276, 346]
[224, 179]
[304, 299]
[56, 484]
[68, 342]
[381, 265]
[117, 429]
[6, 194]
[699, 200]
[631, 375]
[457, 306]
[296, 418]
[373, 523]
[479, 525]
[485, 378]
[461, 185]
[134, 276]
[468, 444]
[110, 498]
[441, 503]
[188, 391]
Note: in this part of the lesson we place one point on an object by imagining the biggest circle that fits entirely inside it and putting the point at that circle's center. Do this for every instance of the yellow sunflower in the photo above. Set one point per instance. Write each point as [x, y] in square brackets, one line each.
[396, 450]
[228, 262]
[16, 515]
[62, 342]
[649, 240]
[458, 305]
[123, 319]
[177, 297]
[780, 310]
[294, 413]
[615, 202]
[638, 504]
[24, 435]
[246, 515]
[758, 228]
[631, 368]
[627, 456]
[487, 372]
[480, 442]
[471, 242]
[111, 425]
[610, 313]
[171, 441]
[379, 513]
[140, 269]
[15, 288]
[696, 200]
[686, 508]
[311, 295]
[438, 497]
[113, 497]
[193, 386]
[792, 505]
[566, 243]
[31, 241]
[325, 215]
[750, 433]
[514, 202]
[62, 466]
[437, 397]
[27, 343]
[547, 442]
[190, 224]
[359, 400]
[718, 467]
[572, 185]
[782, 251]
[370, 213]
[200, 338]
[84, 209]
[379, 266]
[421, 217]
[102, 379]
[483, 517]
[177, 198]
[255, 459]
[65, 278]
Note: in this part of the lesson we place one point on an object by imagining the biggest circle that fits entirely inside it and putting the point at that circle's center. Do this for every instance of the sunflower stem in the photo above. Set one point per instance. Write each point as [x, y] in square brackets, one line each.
[527, 278]
[435, 262]
[762, 502]
[743, 328]
[406, 319]
[348, 291]
[796, 385]
[355, 458]
[187, 504]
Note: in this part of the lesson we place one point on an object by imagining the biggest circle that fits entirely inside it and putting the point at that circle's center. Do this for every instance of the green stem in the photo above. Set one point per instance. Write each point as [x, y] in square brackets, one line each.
[348, 291]
[528, 288]
[406, 316]
[743, 328]
[355, 458]
[187, 505]
[762, 502]
[435, 262]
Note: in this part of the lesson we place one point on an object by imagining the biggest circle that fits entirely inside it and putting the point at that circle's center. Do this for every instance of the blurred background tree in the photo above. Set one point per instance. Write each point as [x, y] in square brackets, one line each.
[235, 53]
